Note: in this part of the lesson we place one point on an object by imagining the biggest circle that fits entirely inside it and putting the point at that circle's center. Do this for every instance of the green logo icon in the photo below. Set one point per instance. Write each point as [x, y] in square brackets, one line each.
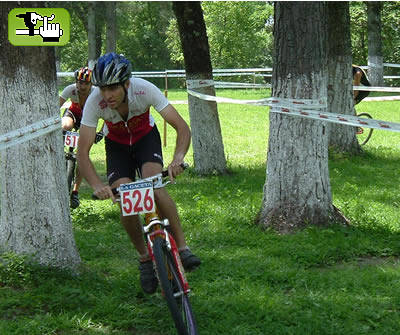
[38, 26]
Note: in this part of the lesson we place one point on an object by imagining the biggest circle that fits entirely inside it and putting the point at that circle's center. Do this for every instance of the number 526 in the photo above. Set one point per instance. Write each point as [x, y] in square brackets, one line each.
[137, 201]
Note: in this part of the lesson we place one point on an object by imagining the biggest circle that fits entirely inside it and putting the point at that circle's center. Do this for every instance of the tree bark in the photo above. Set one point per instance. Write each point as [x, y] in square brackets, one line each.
[208, 148]
[35, 217]
[375, 56]
[111, 26]
[297, 191]
[340, 79]
[92, 49]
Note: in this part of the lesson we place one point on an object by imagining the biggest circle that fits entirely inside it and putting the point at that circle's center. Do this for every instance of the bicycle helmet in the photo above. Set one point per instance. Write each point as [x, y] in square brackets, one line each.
[111, 69]
[83, 74]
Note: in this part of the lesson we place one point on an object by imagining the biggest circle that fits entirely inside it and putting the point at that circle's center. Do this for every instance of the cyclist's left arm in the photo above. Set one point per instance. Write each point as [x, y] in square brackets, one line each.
[171, 115]
[357, 81]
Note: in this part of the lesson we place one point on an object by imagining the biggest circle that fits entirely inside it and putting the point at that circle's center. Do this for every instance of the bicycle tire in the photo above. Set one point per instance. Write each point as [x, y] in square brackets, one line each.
[70, 174]
[364, 139]
[170, 282]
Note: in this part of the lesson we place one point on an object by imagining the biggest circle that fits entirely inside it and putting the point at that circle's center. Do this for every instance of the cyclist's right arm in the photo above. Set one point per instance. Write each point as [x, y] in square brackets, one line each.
[62, 100]
[86, 167]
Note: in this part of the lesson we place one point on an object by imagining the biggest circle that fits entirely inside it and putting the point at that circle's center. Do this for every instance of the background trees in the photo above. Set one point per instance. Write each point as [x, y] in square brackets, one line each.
[340, 84]
[148, 34]
[208, 148]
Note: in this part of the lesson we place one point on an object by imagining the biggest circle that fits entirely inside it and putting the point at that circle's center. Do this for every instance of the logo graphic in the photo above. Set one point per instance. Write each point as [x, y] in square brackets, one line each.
[38, 26]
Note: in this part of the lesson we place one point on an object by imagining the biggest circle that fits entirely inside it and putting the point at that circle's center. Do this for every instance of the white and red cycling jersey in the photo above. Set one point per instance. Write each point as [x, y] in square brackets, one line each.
[141, 96]
[71, 92]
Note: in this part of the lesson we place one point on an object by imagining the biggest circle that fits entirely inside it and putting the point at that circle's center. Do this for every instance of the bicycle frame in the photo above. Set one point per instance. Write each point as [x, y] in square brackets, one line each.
[161, 247]
[155, 227]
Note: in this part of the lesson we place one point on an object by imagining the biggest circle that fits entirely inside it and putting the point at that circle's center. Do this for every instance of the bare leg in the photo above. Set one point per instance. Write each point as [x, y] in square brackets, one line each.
[133, 226]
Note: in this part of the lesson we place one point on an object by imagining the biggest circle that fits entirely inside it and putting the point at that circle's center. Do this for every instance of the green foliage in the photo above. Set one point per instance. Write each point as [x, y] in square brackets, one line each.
[14, 270]
[239, 33]
[245, 39]
[390, 18]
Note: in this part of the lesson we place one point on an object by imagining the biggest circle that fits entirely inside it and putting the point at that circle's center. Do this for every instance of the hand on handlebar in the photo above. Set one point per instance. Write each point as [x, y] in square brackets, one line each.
[175, 169]
[103, 192]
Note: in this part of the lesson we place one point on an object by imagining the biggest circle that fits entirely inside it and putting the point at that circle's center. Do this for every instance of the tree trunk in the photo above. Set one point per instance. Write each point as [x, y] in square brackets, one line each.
[208, 148]
[297, 191]
[92, 52]
[340, 79]
[375, 56]
[111, 26]
[35, 217]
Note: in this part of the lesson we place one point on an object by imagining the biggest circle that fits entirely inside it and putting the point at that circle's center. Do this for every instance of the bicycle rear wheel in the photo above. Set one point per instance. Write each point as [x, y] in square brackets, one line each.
[172, 286]
[364, 134]
[70, 174]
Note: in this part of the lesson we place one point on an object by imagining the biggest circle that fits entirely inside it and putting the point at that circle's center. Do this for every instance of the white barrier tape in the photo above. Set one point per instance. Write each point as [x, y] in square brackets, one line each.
[370, 64]
[194, 83]
[297, 107]
[391, 65]
[30, 132]
[229, 84]
[349, 120]
[376, 89]
[284, 103]
[206, 97]
[386, 98]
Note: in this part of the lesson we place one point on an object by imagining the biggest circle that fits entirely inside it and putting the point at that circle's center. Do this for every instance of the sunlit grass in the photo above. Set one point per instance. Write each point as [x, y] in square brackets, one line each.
[341, 280]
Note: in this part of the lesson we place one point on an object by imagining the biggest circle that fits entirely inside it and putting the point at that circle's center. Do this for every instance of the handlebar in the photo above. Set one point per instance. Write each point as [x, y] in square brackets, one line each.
[164, 174]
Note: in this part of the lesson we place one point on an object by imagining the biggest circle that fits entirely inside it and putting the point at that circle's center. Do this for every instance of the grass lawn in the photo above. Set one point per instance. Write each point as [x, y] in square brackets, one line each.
[317, 281]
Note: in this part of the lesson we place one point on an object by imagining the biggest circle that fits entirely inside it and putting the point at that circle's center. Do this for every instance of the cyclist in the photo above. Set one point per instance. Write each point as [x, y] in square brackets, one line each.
[360, 78]
[133, 141]
[78, 94]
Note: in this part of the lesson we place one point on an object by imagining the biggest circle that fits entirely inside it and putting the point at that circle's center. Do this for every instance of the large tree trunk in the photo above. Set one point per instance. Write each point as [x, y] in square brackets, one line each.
[340, 79]
[35, 216]
[111, 26]
[297, 190]
[375, 56]
[208, 148]
[92, 39]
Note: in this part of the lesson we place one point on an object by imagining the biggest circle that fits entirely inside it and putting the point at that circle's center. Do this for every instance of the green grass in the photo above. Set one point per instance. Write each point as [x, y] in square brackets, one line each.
[317, 281]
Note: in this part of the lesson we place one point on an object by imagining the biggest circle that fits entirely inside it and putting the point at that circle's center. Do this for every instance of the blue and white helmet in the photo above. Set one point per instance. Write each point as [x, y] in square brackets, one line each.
[111, 69]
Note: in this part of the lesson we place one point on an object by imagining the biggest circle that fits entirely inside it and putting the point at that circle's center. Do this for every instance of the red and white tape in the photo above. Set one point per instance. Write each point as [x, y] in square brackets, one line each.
[306, 108]
[30, 132]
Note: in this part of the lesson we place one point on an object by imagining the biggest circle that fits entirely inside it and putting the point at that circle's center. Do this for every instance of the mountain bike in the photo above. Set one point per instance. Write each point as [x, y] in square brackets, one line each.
[364, 134]
[70, 142]
[138, 198]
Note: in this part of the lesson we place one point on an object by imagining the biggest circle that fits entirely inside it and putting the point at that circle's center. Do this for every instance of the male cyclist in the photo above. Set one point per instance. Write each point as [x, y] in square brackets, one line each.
[133, 141]
[360, 78]
[78, 94]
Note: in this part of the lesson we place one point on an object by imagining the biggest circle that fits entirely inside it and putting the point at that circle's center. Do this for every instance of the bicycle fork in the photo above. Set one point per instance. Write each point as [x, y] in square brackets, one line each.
[156, 227]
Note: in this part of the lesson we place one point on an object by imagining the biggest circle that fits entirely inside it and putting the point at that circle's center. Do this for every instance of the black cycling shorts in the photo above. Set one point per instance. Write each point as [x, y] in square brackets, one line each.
[123, 160]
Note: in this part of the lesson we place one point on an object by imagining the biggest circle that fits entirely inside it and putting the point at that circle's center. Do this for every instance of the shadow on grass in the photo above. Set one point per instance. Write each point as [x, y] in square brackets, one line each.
[252, 281]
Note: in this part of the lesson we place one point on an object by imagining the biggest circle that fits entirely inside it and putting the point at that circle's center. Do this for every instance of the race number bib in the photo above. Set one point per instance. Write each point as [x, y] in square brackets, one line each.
[137, 198]
[71, 139]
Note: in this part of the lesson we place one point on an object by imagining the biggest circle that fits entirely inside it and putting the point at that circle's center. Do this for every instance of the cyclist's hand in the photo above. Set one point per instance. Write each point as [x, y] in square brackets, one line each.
[99, 137]
[104, 192]
[175, 169]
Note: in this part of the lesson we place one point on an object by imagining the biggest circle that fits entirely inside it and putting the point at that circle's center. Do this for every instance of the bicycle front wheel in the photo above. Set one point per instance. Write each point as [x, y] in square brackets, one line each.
[364, 134]
[172, 286]
[70, 174]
